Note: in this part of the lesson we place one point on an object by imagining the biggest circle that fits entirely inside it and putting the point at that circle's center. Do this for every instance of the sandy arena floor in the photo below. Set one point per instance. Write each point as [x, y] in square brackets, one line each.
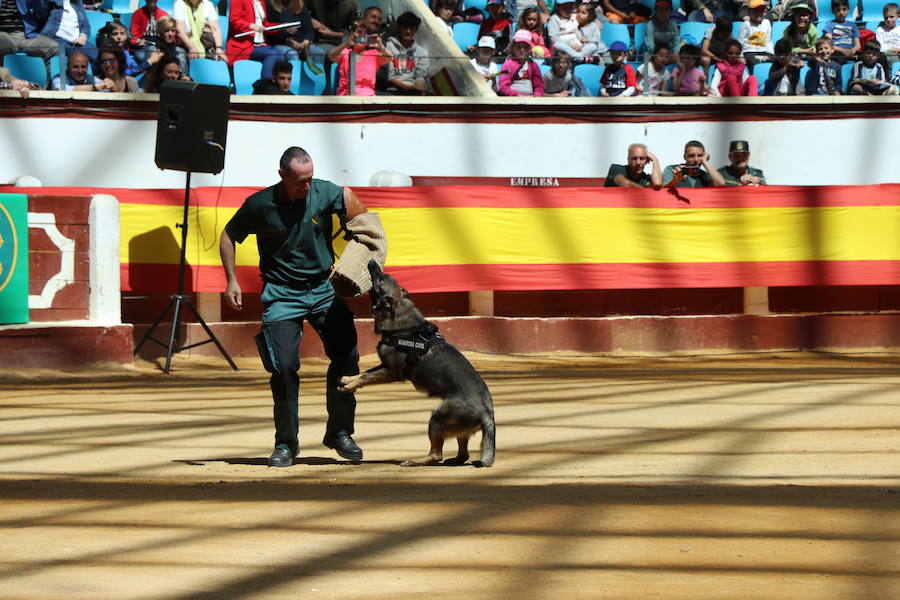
[773, 477]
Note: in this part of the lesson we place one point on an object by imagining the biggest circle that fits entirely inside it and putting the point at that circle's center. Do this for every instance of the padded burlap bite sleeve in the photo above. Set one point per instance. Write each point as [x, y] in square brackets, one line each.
[350, 276]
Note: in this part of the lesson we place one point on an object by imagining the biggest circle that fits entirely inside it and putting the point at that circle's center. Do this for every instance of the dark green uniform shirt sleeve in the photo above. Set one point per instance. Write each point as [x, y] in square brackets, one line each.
[611, 175]
[241, 224]
[730, 180]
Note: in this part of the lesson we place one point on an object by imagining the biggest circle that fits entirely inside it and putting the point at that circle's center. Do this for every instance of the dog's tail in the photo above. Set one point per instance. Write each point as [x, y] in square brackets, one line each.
[488, 440]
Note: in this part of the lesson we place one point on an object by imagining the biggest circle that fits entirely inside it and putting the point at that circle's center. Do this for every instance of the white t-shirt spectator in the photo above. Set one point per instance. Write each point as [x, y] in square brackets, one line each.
[889, 40]
[490, 70]
[68, 24]
[210, 15]
[756, 38]
[657, 81]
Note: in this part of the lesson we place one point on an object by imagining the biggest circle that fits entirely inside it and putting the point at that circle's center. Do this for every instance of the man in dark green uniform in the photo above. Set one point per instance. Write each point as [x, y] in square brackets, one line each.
[632, 175]
[292, 223]
[696, 170]
[739, 172]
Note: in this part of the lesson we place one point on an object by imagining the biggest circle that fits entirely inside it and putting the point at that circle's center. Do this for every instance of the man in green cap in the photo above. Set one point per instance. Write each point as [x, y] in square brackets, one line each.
[739, 172]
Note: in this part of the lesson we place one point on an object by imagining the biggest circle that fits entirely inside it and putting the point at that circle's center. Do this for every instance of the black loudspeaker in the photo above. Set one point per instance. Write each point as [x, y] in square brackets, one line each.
[193, 123]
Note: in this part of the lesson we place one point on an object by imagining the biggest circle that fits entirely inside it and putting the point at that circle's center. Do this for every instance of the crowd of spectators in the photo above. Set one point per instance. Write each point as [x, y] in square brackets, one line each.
[523, 48]
[669, 58]
[158, 46]
[693, 171]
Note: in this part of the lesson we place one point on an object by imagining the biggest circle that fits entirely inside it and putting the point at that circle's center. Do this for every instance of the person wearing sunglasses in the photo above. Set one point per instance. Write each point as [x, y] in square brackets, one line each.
[111, 66]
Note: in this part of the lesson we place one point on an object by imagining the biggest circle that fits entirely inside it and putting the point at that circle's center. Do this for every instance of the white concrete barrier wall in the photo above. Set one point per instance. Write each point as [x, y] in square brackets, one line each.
[119, 153]
[104, 302]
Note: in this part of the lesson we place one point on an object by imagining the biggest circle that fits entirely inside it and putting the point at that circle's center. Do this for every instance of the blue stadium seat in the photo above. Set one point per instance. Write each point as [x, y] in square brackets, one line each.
[872, 25]
[246, 72]
[306, 83]
[615, 32]
[97, 20]
[120, 7]
[213, 72]
[824, 14]
[872, 9]
[332, 80]
[778, 28]
[223, 25]
[804, 71]
[736, 29]
[167, 5]
[590, 76]
[544, 68]
[312, 83]
[639, 30]
[895, 68]
[29, 68]
[693, 31]
[846, 70]
[761, 72]
[125, 19]
[465, 35]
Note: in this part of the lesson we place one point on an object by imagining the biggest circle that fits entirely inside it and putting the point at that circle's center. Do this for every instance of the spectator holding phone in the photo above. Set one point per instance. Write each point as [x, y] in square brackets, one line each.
[784, 76]
[370, 55]
[695, 171]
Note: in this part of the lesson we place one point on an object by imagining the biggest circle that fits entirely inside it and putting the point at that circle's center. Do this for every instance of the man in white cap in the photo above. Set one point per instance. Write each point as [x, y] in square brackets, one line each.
[484, 61]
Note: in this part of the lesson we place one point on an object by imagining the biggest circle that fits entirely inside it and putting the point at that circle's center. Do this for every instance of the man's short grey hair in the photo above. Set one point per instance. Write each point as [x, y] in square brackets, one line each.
[636, 145]
[291, 154]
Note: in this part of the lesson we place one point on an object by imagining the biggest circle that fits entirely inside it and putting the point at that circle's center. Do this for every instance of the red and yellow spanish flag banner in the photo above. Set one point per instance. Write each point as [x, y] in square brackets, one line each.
[459, 238]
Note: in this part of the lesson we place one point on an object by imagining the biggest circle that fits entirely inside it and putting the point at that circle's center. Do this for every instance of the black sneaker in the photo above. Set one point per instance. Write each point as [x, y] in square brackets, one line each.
[343, 445]
[282, 457]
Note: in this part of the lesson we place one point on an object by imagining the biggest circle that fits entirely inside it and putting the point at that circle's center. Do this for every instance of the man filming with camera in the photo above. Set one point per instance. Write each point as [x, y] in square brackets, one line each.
[695, 171]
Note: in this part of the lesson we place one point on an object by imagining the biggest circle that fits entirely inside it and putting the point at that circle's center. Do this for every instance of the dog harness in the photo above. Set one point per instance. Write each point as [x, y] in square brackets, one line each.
[413, 348]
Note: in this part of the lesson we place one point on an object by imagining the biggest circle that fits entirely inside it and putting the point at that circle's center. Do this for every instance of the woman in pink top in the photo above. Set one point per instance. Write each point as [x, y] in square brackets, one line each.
[371, 55]
[519, 75]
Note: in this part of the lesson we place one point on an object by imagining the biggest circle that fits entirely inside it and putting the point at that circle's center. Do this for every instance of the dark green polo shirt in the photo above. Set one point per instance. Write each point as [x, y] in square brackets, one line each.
[731, 178]
[293, 238]
[703, 180]
[643, 180]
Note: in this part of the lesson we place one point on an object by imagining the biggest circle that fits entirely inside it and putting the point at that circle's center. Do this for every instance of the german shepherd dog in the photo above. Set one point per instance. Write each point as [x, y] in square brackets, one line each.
[411, 348]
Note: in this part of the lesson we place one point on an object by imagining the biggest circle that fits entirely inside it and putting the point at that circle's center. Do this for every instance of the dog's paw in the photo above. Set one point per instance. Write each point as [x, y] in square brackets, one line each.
[427, 462]
[346, 384]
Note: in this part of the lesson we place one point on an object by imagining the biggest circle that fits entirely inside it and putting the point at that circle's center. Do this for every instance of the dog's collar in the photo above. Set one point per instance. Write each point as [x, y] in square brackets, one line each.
[414, 344]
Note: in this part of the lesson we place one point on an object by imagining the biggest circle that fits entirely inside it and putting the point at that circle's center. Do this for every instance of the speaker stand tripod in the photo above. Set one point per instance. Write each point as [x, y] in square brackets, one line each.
[179, 301]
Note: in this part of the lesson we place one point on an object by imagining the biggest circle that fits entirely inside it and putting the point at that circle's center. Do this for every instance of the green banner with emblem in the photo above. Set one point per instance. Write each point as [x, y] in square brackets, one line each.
[13, 258]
